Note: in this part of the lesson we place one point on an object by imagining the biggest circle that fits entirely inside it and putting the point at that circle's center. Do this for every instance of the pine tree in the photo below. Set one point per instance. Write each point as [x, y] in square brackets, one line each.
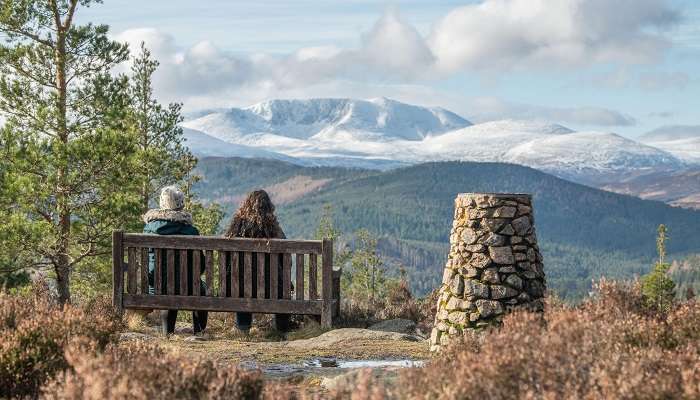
[163, 158]
[67, 141]
[206, 217]
[658, 288]
[366, 278]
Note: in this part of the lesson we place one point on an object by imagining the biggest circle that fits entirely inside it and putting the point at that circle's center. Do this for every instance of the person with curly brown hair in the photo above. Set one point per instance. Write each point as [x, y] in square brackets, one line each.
[256, 219]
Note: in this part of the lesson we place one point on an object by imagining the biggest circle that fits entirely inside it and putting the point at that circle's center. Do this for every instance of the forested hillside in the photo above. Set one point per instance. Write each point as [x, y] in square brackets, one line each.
[584, 232]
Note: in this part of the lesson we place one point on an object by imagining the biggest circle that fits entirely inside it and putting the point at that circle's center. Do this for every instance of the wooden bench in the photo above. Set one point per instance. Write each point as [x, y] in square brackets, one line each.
[315, 292]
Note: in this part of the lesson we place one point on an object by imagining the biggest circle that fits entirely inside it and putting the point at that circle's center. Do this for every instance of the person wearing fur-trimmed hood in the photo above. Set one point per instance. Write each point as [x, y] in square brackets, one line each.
[171, 219]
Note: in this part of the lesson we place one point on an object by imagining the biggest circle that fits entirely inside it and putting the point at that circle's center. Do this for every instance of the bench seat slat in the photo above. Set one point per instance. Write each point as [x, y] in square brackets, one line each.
[235, 281]
[170, 287]
[158, 276]
[248, 275]
[299, 288]
[225, 244]
[223, 287]
[261, 275]
[132, 268]
[227, 304]
[274, 272]
[183, 272]
[144, 270]
[209, 275]
[196, 272]
[313, 276]
[287, 276]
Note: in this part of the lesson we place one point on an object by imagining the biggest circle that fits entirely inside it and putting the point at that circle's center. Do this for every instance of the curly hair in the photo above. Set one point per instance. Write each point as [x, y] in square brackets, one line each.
[255, 219]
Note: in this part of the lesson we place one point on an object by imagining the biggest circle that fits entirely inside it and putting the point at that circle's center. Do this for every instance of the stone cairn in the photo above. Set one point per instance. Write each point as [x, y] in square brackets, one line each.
[494, 265]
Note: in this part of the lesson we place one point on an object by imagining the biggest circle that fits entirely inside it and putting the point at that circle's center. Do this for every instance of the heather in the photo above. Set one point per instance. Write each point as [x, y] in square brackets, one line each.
[613, 345]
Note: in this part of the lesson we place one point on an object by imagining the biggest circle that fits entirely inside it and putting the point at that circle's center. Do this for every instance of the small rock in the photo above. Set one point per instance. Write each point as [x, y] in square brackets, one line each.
[514, 281]
[491, 276]
[469, 236]
[469, 272]
[507, 230]
[489, 308]
[501, 255]
[480, 260]
[502, 292]
[535, 288]
[457, 287]
[524, 297]
[447, 275]
[522, 210]
[494, 225]
[452, 304]
[522, 225]
[328, 362]
[531, 255]
[494, 239]
[435, 335]
[398, 325]
[507, 270]
[475, 289]
[475, 248]
[504, 212]
[515, 239]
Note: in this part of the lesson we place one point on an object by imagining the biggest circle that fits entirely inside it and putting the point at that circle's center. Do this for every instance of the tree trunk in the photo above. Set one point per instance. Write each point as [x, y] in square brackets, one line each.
[62, 263]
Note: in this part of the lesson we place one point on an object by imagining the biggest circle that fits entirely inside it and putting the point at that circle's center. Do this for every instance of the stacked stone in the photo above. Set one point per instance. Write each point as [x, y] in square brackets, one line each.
[494, 265]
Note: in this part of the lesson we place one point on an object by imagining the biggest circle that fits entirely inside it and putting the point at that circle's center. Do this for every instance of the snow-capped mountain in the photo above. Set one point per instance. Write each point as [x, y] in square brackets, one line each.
[593, 157]
[375, 119]
[683, 141]
[383, 132]
[204, 145]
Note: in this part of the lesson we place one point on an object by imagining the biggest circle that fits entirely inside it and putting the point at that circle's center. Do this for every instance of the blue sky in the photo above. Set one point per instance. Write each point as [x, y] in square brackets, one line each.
[626, 66]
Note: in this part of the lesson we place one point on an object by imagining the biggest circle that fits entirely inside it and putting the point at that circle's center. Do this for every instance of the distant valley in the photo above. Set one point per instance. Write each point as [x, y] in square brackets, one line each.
[585, 233]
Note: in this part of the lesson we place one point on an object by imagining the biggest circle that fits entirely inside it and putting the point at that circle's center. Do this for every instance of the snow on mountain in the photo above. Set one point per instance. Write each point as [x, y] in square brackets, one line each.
[375, 119]
[683, 141]
[593, 155]
[382, 132]
[489, 141]
[203, 145]
[687, 150]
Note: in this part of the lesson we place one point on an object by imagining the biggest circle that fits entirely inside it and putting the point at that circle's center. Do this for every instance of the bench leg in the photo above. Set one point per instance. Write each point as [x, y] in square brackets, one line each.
[326, 316]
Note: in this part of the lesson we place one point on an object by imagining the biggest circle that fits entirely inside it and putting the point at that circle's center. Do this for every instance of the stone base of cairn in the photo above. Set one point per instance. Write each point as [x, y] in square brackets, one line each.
[494, 265]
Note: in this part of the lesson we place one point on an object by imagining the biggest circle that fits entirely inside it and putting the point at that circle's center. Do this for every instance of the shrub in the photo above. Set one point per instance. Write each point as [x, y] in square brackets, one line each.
[35, 330]
[658, 288]
[139, 370]
[610, 346]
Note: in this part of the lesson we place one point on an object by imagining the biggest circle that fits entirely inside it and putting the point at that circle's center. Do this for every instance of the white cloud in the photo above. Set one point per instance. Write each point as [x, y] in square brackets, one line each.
[491, 36]
[489, 108]
[504, 34]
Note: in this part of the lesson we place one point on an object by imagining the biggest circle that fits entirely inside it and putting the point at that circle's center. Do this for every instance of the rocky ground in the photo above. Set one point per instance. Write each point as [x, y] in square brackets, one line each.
[315, 359]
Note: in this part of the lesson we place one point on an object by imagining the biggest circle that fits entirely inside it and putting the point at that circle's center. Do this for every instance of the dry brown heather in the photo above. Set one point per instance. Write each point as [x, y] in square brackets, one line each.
[606, 348]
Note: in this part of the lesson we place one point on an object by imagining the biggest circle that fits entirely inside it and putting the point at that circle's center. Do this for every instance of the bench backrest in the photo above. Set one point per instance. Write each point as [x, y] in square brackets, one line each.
[216, 259]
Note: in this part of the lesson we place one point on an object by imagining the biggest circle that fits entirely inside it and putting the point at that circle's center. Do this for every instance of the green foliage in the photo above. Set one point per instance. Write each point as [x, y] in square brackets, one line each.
[658, 288]
[365, 276]
[161, 153]
[67, 142]
[326, 227]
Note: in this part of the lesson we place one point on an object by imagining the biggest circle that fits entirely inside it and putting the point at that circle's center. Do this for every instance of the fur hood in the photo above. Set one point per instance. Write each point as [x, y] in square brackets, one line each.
[168, 215]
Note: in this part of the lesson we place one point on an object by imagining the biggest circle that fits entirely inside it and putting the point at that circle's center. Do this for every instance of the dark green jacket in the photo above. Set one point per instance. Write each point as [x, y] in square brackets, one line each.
[159, 222]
